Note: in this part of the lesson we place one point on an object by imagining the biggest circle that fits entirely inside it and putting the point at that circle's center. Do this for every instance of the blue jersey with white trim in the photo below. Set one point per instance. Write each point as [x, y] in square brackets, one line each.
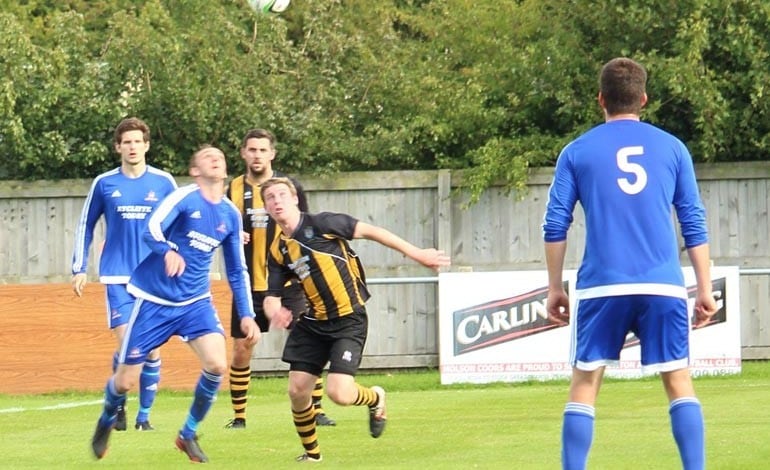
[194, 227]
[627, 176]
[125, 204]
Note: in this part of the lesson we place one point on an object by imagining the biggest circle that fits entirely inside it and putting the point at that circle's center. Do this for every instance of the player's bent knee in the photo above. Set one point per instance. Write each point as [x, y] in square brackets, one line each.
[127, 379]
[242, 352]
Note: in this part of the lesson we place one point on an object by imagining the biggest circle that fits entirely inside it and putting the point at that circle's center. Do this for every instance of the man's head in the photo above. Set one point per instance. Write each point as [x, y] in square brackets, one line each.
[132, 140]
[279, 196]
[258, 152]
[622, 87]
[208, 163]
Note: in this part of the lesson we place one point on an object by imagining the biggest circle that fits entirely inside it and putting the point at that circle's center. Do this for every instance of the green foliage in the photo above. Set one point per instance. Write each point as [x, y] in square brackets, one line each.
[347, 85]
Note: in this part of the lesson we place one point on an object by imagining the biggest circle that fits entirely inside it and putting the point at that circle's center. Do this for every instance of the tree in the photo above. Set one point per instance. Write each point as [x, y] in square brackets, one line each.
[493, 87]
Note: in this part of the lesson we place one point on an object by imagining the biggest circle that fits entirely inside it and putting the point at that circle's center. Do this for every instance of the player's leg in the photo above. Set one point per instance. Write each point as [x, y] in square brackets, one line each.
[120, 420]
[349, 336]
[148, 389]
[307, 352]
[321, 418]
[114, 397]
[211, 350]
[577, 431]
[240, 377]
[141, 336]
[200, 325]
[293, 298]
[119, 306]
[664, 336]
[599, 327]
[240, 364]
[301, 385]
[687, 423]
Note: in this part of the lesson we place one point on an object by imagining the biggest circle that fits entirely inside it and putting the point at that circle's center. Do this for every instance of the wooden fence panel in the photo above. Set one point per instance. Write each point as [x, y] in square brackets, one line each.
[501, 232]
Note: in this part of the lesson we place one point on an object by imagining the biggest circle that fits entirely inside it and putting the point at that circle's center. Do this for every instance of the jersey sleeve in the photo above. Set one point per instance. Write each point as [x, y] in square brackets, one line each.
[235, 267]
[277, 273]
[562, 197]
[687, 202]
[332, 223]
[161, 219]
[93, 208]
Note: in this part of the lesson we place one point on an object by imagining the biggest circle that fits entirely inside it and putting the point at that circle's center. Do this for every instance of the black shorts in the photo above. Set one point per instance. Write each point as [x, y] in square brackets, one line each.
[292, 297]
[340, 341]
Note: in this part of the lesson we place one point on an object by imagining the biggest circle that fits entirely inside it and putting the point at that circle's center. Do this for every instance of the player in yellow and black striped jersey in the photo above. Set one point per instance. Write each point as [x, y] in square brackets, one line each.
[258, 153]
[314, 249]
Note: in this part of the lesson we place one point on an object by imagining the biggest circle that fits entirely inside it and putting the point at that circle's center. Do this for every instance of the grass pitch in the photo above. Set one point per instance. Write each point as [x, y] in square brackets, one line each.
[430, 426]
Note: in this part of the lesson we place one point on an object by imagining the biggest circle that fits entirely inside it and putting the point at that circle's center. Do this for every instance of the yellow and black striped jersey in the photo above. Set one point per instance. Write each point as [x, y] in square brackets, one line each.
[261, 228]
[318, 254]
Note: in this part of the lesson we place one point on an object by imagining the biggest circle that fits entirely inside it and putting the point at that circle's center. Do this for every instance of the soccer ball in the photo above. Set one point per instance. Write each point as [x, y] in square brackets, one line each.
[269, 6]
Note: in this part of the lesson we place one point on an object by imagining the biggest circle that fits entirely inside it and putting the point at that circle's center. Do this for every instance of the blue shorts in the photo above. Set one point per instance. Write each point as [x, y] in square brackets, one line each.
[152, 325]
[119, 305]
[602, 324]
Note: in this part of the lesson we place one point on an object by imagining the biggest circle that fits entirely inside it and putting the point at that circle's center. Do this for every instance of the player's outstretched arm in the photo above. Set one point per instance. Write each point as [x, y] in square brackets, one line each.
[429, 257]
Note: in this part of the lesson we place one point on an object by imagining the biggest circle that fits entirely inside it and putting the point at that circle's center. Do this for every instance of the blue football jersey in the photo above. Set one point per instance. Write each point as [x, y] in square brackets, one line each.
[627, 176]
[126, 204]
[194, 227]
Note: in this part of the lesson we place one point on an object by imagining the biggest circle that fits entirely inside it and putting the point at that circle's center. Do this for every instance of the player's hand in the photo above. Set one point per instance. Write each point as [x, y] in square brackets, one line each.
[281, 319]
[250, 329]
[174, 263]
[705, 308]
[433, 258]
[557, 306]
[246, 237]
[79, 283]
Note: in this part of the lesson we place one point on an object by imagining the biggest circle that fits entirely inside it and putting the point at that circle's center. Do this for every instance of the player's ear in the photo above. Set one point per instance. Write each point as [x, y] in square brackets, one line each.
[644, 100]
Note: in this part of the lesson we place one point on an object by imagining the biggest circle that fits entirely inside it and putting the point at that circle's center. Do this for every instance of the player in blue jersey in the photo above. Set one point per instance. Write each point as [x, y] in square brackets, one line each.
[627, 176]
[173, 295]
[125, 197]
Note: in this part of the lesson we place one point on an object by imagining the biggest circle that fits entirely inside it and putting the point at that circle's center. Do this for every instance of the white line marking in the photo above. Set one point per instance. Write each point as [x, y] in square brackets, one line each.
[61, 406]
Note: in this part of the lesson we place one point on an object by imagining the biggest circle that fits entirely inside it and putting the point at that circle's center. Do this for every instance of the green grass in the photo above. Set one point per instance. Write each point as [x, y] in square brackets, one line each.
[430, 427]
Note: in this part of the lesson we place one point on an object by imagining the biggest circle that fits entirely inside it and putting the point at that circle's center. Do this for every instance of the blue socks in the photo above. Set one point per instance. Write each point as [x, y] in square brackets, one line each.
[577, 435]
[689, 432]
[686, 425]
[112, 400]
[148, 388]
[205, 394]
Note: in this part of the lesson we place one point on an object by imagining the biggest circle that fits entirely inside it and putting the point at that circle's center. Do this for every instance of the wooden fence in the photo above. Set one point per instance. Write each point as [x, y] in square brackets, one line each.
[500, 232]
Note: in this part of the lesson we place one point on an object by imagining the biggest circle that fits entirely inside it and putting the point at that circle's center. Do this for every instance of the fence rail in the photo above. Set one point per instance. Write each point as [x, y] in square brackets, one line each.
[429, 208]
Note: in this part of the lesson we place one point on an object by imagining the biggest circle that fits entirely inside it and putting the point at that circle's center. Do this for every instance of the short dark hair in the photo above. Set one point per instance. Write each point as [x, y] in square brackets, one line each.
[622, 83]
[202, 149]
[276, 181]
[259, 134]
[132, 124]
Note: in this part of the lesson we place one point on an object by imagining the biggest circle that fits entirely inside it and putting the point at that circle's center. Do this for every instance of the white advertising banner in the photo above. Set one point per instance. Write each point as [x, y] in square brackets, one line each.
[493, 327]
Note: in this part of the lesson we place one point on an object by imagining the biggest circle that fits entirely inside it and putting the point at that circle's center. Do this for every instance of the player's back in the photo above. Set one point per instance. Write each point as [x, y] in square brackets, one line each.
[627, 175]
